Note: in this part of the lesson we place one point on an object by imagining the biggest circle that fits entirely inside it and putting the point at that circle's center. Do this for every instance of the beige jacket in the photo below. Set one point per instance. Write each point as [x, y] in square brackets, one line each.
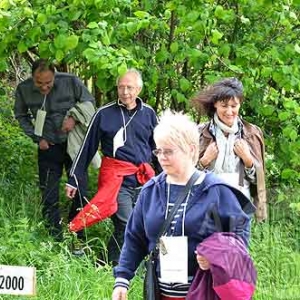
[254, 137]
[82, 112]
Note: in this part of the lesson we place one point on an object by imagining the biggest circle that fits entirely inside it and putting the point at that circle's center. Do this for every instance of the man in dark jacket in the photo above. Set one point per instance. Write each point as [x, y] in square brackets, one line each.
[124, 129]
[42, 103]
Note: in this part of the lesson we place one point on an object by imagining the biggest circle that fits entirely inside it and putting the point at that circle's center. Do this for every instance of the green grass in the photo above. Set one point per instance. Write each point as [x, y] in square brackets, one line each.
[24, 241]
[277, 262]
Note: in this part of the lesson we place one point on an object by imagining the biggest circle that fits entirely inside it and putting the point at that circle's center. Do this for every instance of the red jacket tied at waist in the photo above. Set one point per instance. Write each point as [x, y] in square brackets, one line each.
[104, 203]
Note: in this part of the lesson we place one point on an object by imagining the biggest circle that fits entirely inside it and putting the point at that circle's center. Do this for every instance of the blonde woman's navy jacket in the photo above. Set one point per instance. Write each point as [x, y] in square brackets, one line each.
[210, 199]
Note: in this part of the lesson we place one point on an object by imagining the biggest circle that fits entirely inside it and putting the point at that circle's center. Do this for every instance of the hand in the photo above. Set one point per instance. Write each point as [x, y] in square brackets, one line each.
[68, 124]
[70, 191]
[119, 293]
[242, 150]
[43, 144]
[203, 263]
[210, 154]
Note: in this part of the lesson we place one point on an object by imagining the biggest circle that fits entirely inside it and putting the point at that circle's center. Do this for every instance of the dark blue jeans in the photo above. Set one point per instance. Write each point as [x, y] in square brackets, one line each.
[51, 164]
[126, 200]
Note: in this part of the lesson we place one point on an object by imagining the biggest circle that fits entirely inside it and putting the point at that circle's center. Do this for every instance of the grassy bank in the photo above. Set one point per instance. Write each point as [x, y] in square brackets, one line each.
[24, 241]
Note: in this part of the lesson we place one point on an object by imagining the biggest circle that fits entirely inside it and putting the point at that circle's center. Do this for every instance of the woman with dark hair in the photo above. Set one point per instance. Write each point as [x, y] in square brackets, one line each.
[230, 146]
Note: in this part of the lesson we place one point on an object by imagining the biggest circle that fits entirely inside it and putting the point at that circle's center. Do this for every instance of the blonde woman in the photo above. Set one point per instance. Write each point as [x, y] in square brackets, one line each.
[177, 141]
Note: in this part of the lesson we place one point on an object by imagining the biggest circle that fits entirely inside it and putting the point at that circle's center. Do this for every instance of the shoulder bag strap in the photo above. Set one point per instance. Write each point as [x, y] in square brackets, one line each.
[178, 202]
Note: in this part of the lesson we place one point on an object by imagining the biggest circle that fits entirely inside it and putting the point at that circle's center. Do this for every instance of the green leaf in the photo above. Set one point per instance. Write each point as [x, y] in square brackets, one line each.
[162, 55]
[71, 42]
[288, 174]
[289, 103]
[3, 65]
[224, 14]
[184, 84]
[195, 53]
[60, 41]
[59, 55]
[267, 110]
[193, 16]
[297, 48]
[92, 25]
[131, 27]
[41, 18]
[122, 69]
[167, 14]
[174, 47]
[219, 12]
[22, 47]
[284, 115]
[266, 71]
[290, 133]
[75, 15]
[293, 15]
[293, 135]
[44, 47]
[216, 36]
[245, 20]
[180, 98]
[28, 12]
[90, 54]
[105, 39]
[141, 14]
[224, 50]
[34, 33]
[236, 69]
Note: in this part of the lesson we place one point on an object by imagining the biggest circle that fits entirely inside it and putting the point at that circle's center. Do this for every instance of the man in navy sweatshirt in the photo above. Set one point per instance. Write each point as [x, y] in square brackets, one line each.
[124, 131]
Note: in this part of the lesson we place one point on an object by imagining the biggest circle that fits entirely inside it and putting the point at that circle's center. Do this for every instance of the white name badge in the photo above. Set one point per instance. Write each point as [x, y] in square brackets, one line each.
[173, 259]
[118, 140]
[39, 122]
[17, 280]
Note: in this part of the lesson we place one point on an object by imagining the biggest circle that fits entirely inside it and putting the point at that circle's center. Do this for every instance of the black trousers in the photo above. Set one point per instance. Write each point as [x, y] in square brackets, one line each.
[51, 163]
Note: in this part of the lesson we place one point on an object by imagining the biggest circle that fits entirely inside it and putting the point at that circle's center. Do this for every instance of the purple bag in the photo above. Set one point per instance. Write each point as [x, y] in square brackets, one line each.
[232, 274]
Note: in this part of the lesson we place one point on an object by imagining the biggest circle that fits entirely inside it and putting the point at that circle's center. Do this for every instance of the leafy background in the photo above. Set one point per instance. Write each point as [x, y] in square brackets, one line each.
[180, 47]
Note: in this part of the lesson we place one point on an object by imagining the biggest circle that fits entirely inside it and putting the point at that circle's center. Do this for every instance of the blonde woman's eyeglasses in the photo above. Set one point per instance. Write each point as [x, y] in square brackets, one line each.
[164, 152]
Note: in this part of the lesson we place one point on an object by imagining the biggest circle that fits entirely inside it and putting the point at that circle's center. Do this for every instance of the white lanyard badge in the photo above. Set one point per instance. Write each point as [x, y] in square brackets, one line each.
[121, 135]
[40, 119]
[173, 259]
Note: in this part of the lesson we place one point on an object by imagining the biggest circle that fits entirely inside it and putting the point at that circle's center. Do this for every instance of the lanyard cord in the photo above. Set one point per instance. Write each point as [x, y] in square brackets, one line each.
[44, 103]
[184, 204]
[126, 124]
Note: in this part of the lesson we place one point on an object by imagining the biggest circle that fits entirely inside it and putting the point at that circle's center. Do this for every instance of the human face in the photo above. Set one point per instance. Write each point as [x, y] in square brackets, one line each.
[173, 160]
[128, 90]
[44, 81]
[228, 111]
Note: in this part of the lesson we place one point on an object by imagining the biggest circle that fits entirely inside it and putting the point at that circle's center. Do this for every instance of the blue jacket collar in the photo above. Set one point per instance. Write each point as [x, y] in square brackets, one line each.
[138, 100]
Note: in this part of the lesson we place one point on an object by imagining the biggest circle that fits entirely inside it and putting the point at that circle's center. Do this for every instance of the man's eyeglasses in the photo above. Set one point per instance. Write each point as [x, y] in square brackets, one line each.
[165, 152]
[128, 88]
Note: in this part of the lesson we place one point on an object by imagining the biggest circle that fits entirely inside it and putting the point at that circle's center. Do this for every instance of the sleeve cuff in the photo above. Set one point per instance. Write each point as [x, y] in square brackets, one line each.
[72, 182]
[121, 282]
[71, 186]
[250, 171]
[200, 166]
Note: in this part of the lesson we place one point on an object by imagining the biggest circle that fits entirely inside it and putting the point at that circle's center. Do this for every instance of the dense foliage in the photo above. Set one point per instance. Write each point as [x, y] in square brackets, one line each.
[180, 47]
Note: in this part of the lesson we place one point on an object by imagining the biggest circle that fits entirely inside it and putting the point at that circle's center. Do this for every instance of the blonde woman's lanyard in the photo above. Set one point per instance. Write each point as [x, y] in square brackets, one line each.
[40, 119]
[174, 253]
[121, 136]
